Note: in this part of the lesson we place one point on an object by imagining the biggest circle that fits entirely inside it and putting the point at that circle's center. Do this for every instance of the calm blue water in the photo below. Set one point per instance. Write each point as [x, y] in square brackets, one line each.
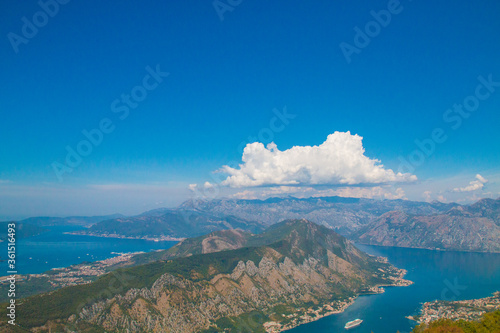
[436, 275]
[52, 249]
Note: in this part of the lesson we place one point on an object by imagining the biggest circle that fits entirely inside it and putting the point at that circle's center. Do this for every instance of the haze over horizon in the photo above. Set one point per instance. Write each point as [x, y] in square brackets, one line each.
[121, 111]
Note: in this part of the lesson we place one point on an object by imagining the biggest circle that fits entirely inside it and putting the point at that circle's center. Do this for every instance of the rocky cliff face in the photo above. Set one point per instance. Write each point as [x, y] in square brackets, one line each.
[176, 304]
[293, 265]
[465, 228]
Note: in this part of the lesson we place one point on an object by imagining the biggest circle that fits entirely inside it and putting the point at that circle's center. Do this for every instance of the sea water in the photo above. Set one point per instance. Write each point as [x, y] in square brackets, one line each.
[436, 275]
[55, 248]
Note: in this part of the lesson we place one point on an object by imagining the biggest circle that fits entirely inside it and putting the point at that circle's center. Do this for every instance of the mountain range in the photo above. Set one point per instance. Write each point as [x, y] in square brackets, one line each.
[48, 221]
[22, 230]
[198, 217]
[345, 215]
[470, 228]
[169, 224]
[293, 272]
[402, 223]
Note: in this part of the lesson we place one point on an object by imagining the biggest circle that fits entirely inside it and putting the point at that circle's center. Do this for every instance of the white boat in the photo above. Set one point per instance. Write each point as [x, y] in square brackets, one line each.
[353, 323]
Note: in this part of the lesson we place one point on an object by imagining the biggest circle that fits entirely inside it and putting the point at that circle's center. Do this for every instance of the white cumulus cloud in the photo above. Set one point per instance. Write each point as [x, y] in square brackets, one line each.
[338, 160]
[474, 185]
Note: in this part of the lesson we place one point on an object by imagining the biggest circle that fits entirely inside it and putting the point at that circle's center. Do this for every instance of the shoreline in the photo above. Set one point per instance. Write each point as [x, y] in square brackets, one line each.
[468, 309]
[153, 239]
[428, 248]
[397, 281]
[276, 327]
[81, 269]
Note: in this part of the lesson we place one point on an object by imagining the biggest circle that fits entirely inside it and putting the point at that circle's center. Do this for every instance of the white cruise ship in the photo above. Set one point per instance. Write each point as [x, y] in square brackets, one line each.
[354, 323]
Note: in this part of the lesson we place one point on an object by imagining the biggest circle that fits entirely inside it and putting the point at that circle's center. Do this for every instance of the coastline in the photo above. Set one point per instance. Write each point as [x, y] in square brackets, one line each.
[429, 248]
[469, 309]
[60, 277]
[76, 274]
[153, 239]
[336, 307]
[331, 308]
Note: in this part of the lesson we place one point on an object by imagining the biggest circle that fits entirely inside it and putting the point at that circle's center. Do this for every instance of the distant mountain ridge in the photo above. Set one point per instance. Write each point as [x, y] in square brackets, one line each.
[415, 224]
[46, 221]
[197, 217]
[466, 228]
[345, 215]
[159, 224]
[22, 230]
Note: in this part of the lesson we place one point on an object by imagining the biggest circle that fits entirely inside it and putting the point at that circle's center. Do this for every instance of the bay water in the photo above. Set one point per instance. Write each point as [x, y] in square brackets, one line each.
[436, 275]
[55, 248]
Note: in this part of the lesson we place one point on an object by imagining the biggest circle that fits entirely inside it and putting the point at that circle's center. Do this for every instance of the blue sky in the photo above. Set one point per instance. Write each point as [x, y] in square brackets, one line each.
[225, 79]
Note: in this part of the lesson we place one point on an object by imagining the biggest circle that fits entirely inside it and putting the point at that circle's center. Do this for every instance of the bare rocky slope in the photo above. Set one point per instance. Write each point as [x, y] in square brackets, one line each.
[293, 265]
[466, 228]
